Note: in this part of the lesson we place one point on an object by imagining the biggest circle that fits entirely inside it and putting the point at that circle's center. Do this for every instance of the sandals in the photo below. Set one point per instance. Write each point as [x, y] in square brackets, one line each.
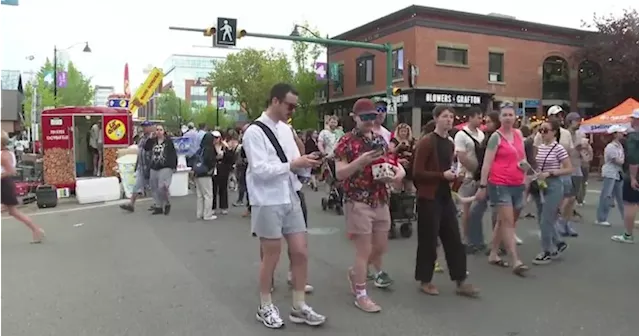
[499, 263]
[521, 270]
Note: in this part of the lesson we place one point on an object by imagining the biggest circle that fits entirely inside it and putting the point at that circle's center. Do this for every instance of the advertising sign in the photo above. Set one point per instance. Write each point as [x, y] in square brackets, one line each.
[115, 130]
[146, 91]
[56, 132]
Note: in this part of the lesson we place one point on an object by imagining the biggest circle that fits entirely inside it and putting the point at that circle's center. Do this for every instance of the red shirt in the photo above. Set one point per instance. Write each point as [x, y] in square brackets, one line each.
[361, 187]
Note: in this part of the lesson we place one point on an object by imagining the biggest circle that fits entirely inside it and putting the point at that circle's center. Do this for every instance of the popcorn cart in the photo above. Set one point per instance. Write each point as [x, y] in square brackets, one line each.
[70, 136]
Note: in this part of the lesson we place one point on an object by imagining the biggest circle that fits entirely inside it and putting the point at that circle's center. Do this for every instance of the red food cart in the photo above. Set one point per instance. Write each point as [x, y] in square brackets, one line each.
[66, 138]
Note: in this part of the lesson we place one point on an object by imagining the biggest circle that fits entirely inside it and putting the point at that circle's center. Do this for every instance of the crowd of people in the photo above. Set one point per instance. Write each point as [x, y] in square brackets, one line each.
[450, 172]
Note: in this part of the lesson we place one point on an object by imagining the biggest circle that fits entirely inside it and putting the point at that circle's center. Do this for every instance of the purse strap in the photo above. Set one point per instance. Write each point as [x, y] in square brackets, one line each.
[274, 141]
[544, 162]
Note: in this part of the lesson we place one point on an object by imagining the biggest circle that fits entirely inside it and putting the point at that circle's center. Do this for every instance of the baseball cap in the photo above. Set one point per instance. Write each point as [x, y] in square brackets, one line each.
[553, 110]
[616, 129]
[191, 124]
[216, 134]
[573, 116]
[364, 105]
[635, 114]
[146, 123]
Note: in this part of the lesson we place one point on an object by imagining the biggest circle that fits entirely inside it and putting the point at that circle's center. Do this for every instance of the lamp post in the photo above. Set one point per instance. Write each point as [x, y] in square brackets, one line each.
[55, 66]
[296, 33]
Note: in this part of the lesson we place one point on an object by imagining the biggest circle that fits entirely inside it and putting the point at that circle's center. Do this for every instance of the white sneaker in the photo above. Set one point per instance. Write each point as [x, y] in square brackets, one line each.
[605, 223]
[224, 212]
[211, 218]
[269, 315]
[518, 240]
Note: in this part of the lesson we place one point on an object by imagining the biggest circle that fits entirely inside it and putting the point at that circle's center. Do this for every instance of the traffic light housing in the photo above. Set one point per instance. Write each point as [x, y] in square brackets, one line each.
[395, 91]
[242, 34]
[210, 31]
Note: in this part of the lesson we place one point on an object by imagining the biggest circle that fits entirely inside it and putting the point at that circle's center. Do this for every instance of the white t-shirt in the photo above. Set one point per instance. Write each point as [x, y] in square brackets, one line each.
[384, 133]
[463, 143]
[95, 136]
[329, 140]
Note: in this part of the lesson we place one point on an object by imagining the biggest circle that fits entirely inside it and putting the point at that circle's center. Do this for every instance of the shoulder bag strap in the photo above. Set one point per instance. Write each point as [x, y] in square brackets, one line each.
[544, 162]
[274, 141]
[475, 142]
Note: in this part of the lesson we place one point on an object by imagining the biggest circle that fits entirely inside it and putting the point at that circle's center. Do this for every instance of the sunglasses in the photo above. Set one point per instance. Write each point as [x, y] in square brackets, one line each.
[290, 106]
[368, 116]
[381, 109]
[506, 104]
[544, 130]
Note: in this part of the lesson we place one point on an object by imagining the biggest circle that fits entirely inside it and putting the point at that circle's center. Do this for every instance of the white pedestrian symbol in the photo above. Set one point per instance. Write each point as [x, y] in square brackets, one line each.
[227, 31]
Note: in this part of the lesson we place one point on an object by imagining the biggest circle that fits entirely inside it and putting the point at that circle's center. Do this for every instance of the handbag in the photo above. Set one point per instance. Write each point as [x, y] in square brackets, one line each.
[535, 185]
[200, 169]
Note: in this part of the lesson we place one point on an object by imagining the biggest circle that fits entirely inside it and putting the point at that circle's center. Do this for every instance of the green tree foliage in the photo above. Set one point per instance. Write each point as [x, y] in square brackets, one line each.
[248, 76]
[305, 55]
[173, 110]
[78, 91]
[209, 116]
[614, 48]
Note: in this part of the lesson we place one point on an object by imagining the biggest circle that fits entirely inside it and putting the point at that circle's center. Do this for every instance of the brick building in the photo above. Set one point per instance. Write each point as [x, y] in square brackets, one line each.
[462, 59]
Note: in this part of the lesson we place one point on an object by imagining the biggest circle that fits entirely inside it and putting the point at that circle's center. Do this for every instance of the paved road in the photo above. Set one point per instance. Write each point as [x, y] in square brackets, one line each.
[124, 274]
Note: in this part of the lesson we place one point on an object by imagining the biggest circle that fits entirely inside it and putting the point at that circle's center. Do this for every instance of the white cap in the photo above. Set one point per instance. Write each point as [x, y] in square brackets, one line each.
[553, 110]
[635, 114]
[616, 129]
[216, 134]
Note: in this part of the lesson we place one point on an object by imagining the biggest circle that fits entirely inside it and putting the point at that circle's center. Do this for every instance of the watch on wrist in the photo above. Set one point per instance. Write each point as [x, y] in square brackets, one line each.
[482, 186]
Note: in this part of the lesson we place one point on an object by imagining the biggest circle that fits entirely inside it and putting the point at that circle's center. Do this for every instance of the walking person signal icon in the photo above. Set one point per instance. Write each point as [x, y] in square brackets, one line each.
[226, 32]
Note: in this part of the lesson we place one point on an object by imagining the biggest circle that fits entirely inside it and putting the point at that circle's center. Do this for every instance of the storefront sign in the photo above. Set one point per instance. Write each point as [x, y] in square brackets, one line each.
[115, 130]
[57, 132]
[452, 99]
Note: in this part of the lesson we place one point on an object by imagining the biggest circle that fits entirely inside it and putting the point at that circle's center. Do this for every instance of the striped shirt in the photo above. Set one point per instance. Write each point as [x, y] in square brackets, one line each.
[549, 157]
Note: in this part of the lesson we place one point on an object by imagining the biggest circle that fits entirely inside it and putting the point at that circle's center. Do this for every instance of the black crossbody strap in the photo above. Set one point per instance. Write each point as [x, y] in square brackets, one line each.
[274, 141]
[544, 162]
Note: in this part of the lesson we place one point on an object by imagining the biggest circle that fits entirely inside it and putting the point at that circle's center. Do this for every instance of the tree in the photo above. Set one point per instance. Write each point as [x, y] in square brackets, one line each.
[173, 110]
[208, 116]
[249, 75]
[305, 55]
[77, 92]
[615, 49]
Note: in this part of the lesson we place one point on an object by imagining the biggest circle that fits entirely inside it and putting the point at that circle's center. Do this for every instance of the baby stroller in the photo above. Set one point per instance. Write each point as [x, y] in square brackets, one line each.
[334, 200]
[402, 206]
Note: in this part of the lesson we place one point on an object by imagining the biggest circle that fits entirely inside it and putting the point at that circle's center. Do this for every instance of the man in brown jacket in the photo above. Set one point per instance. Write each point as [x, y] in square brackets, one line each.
[433, 171]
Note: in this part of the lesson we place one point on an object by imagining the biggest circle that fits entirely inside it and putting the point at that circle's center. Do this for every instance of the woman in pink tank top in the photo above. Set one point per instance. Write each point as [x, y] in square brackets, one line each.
[502, 180]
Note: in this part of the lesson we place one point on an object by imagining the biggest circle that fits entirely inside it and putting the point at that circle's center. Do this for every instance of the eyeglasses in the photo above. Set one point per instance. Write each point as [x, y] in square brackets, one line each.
[544, 130]
[368, 116]
[506, 104]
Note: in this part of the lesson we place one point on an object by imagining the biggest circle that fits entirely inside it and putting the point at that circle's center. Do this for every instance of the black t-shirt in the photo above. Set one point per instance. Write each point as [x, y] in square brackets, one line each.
[444, 149]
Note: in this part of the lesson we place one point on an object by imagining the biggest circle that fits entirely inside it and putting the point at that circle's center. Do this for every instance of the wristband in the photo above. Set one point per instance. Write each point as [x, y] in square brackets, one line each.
[482, 186]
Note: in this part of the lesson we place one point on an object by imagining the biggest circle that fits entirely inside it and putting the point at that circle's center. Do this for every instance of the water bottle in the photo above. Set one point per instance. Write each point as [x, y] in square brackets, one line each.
[304, 175]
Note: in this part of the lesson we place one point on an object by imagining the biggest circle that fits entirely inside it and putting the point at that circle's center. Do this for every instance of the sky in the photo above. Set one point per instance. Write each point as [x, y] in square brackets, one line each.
[136, 31]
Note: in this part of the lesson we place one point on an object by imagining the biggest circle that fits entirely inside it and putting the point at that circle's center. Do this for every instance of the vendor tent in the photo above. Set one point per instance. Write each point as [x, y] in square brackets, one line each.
[618, 115]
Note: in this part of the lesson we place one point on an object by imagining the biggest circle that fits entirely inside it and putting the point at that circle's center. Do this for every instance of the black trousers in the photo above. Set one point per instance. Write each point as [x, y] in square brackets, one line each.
[437, 219]
[220, 191]
[242, 186]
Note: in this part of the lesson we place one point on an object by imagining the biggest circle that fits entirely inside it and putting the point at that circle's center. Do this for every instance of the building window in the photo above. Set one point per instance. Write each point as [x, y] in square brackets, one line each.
[337, 76]
[364, 71]
[398, 63]
[496, 67]
[198, 90]
[454, 56]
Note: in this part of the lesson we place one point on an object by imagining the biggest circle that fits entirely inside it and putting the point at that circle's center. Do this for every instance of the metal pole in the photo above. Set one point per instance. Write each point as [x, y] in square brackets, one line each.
[55, 76]
[217, 108]
[391, 117]
[328, 77]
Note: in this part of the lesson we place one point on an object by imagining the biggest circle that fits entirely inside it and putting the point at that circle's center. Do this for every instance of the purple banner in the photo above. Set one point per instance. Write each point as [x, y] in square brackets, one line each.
[220, 101]
[320, 68]
[62, 79]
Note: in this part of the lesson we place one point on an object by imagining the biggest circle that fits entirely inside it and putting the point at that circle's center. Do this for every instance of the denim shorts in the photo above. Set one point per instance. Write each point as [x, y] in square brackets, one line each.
[500, 195]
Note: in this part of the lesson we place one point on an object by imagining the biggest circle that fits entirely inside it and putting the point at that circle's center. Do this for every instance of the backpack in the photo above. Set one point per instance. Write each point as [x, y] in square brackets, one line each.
[479, 150]
[200, 168]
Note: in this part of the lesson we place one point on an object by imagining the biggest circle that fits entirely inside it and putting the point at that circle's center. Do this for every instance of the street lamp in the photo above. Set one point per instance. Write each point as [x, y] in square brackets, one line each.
[55, 66]
[296, 33]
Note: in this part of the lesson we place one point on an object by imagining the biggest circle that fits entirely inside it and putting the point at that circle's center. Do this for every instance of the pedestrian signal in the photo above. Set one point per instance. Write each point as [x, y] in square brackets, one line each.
[242, 33]
[210, 31]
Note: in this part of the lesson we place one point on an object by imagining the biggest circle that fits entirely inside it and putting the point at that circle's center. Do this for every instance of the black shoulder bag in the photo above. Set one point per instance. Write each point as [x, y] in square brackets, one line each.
[479, 151]
[535, 187]
[280, 152]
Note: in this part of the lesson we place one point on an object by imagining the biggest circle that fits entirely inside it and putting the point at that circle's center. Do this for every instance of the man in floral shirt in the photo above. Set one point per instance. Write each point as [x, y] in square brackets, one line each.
[366, 200]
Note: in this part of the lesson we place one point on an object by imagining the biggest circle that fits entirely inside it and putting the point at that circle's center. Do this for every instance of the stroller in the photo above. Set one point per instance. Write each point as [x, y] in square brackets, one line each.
[335, 199]
[402, 206]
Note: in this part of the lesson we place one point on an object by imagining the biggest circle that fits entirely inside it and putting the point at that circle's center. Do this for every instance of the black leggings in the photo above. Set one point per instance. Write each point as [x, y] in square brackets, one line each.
[220, 192]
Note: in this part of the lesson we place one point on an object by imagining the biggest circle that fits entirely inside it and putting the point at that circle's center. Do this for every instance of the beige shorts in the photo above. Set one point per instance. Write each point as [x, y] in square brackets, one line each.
[364, 219]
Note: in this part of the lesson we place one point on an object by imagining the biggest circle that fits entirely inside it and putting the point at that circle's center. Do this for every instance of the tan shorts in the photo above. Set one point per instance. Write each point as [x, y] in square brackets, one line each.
[364, 219]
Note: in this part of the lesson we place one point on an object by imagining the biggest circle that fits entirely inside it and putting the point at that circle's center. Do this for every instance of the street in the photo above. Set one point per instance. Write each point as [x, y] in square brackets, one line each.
[105, 272]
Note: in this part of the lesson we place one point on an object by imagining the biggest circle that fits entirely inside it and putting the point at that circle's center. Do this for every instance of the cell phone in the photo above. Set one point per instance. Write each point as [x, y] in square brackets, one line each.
[319, 155]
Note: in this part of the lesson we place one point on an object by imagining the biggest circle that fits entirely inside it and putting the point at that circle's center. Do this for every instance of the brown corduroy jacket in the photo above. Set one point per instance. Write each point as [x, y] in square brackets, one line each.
[427, 173]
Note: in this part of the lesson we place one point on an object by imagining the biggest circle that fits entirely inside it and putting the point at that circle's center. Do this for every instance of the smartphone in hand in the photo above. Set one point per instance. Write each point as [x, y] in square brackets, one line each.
[319, 155]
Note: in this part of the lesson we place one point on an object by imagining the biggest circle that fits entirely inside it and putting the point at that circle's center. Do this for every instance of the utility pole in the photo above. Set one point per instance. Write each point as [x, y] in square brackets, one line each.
[387, 48]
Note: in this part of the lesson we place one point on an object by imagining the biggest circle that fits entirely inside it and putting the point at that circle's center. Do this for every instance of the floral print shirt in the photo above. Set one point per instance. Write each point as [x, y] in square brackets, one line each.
[361, 187]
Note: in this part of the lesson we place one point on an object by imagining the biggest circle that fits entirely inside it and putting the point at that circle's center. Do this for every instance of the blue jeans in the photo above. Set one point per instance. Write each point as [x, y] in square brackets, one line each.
[611, 189]
[547, 207]
[475, 234]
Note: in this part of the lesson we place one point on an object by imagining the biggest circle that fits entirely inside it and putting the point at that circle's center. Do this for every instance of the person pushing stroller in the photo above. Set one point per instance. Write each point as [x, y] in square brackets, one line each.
[327, 140]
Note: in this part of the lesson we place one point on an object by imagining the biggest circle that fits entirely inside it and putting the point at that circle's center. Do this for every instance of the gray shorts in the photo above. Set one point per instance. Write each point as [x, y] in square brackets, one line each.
[141, 183]
[275, 221]
[469, 187]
